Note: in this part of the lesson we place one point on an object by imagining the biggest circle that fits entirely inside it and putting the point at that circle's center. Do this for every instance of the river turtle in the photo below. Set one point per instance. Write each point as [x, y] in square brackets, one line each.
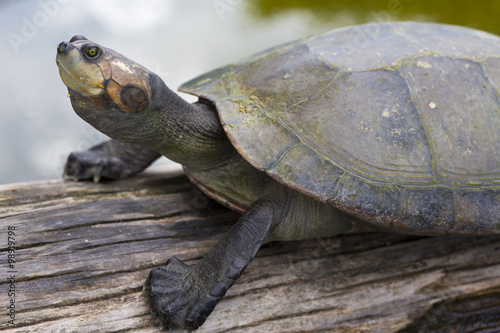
[393, 126]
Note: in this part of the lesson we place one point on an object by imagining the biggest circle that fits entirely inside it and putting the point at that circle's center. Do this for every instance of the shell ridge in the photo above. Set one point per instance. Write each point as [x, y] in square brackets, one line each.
[336, 188]
[402, 196]
[315, 92]
[424, 125]
[282, 155]
[487, 76]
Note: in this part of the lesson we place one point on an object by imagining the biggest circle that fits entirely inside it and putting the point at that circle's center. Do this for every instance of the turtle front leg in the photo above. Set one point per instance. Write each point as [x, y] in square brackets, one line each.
[111, 159]
[184, 296]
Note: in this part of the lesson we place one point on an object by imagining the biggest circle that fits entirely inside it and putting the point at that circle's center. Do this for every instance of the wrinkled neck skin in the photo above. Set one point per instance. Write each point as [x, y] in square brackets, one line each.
[189, 134]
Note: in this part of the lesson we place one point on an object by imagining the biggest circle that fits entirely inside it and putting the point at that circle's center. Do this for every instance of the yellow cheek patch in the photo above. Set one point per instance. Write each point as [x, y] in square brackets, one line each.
[80, 76]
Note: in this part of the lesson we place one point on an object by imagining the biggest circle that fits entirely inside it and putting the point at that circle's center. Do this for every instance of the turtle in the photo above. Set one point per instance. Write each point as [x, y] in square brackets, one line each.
[383, 126]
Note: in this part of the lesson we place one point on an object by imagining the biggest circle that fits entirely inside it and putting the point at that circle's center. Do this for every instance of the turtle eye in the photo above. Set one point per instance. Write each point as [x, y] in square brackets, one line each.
[92, 52]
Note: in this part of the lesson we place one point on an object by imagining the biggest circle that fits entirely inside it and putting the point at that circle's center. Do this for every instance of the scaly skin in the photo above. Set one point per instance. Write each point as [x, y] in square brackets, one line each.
[146, 119]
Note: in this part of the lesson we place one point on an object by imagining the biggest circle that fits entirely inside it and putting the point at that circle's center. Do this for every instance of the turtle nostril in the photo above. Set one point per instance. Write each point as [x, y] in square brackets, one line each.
[63, 48]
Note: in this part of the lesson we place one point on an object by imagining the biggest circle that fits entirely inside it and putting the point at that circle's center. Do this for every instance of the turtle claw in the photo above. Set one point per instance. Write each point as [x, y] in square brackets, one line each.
[174, 295]
[163, 328]
[67, 177]
[97, 176]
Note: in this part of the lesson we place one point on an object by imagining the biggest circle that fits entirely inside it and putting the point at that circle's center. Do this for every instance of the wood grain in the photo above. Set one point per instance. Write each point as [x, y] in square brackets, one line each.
[84, 250]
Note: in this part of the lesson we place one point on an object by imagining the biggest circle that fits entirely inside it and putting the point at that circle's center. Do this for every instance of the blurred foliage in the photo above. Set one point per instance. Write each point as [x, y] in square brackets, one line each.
[481, 15]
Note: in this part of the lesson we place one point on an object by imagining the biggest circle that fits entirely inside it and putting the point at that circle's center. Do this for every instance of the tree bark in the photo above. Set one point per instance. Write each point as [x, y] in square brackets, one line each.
[83, 251]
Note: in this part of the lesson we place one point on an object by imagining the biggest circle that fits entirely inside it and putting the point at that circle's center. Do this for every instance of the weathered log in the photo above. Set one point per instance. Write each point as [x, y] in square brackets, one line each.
[84, 250]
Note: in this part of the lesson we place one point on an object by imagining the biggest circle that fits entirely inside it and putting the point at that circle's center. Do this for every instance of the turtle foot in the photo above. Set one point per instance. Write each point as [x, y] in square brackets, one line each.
[92, 165]
[178, 297]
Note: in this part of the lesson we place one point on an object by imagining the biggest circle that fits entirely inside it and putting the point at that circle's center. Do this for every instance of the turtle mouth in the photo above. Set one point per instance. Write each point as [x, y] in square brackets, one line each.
[80, 76]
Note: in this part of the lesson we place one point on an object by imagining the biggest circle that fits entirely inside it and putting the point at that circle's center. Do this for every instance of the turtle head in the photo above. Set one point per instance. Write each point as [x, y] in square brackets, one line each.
[112, 93]
[103, 76]
[128, 103]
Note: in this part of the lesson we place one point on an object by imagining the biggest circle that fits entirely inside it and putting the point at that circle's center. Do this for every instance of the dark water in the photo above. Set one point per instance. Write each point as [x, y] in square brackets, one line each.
[178, 39]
